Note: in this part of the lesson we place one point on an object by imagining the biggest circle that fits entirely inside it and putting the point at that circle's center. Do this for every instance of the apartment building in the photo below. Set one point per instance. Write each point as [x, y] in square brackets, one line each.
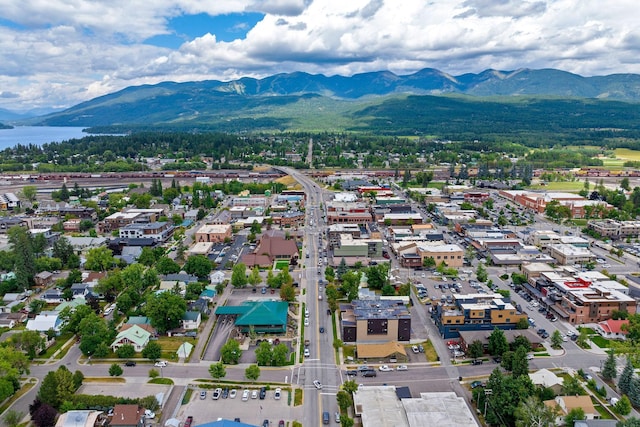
[158, 231]
[375, 320]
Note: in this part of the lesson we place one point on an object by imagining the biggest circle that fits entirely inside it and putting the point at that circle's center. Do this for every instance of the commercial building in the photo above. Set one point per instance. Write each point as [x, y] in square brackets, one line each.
[475, 312]
[349, 247]
[375, 320]
[158, 231]
[214, 233]
[615, 229]
[571, 255]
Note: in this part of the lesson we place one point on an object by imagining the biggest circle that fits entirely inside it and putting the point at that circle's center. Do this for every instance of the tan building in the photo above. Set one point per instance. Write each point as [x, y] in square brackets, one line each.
[593, 305]
[451, 255]
[569, 254]
[375, 321]
[213, 233]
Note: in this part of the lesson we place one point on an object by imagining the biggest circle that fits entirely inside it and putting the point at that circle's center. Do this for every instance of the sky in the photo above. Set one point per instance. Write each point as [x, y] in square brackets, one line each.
[57, 53]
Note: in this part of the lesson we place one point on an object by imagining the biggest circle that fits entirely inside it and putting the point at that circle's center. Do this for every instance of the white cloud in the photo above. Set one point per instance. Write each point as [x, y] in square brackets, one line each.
[61, 52]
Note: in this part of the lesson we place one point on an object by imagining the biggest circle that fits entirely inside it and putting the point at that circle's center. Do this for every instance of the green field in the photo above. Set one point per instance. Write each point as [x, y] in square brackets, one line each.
[626, 154]
[571, 186]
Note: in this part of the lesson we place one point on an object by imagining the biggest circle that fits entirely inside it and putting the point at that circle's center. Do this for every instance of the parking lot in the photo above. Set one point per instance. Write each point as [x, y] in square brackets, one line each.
[251, 411]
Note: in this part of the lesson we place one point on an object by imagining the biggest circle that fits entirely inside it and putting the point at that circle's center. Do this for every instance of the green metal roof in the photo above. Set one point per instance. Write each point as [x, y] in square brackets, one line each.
[264, 313]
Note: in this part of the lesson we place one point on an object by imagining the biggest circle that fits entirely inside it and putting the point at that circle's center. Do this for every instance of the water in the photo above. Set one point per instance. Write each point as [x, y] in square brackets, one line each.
[37, 135]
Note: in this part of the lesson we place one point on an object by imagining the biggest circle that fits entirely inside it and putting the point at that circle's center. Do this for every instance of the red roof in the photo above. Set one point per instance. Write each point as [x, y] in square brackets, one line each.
[613, 326]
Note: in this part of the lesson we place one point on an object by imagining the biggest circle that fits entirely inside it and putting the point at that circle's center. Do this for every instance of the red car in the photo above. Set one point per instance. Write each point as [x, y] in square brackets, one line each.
[188, 422]
[281, 423]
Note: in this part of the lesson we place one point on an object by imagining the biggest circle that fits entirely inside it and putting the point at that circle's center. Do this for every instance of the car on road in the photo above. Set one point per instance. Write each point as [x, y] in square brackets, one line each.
[337, 417]
[203, 394]
[160, 364]
[321, 330]
[216, 393]
[352, 373]
[245, 395]
[530, 356]
[317, 384]
[476, 384]
[130, 363]
[188, 421]
[277, 393]
[402, 368]
[254, 394]
[307, 353]
[370, 373]
[385, 368]
[476, 362]
[306, 321]
[233, 393]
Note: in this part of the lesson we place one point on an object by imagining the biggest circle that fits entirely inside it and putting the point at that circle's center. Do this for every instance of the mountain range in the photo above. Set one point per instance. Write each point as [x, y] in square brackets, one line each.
[285, 101]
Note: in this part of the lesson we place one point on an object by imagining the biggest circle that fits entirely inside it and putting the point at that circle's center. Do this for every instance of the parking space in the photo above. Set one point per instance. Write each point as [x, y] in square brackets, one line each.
[250, 411]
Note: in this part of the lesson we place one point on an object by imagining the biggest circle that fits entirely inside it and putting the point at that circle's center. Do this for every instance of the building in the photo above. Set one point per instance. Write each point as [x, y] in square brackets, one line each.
[215, 233]
[537, 201]
[9, 202]
[136, 336]
[475, 312]
[45, 321]
[375, 320]
[158, 231]
[546, 379]
[276, 248]
[127, 416]
[288, 219]
[79, 212]
[261, 316]
[564, 405]
[612, 329]
[81, 418]
[364, 248]
[614, 230]
[571, 255]
[336, 230]
[7, 223]
[451, 255]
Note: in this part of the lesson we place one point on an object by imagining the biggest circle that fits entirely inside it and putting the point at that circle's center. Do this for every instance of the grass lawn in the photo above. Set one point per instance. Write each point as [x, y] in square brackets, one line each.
[349, 351]
[430, 351]
[599, 341]
[604, 414]
[571, 186]
[590, 331]
[60, 341]
[297, 397]
[281, 265]
[613, 164]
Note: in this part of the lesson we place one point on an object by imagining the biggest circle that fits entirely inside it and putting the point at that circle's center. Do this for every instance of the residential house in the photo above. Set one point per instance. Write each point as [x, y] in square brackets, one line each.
[135, 335]
[191, 320]
[565, 404]
[44, 278]
[546, 379]
[613, 329]
[127, 416]
[52, 296]
[9, 201]
[47, 320]
[8, 222]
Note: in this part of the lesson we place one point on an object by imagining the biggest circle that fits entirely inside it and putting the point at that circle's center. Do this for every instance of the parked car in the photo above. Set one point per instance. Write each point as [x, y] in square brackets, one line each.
[476, 384]
[420, 348]
[385, 368]
[225, 392]
[216, 393]
[263, 393]
[232, 393]
[188, 421]
[254, 394]
[130, 363]
[476, 362]
[160, 364]
[352, 373]
[414, 348]
[277, 393]
[203, 394]
[402, 368]
[265, 423]
[245, 395]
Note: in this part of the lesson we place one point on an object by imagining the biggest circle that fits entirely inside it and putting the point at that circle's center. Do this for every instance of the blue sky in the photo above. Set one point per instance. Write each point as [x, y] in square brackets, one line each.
[227, 28]
[58, 53]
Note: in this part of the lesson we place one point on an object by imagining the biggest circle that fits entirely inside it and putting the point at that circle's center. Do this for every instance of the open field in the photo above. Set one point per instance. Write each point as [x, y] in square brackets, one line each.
[613, 164]
[570, 186]
[626, 154]
[288, 181]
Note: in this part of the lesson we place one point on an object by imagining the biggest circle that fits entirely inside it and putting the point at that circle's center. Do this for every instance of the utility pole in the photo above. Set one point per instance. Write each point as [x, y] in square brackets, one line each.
[487, 392]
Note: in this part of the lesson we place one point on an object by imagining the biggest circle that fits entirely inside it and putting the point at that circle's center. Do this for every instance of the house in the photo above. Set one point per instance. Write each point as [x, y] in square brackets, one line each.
[216, 277]
[76, 302]
[45, 321]
[565, 404]
[135, 336]
[44, 278]
[127, 416]
[546, 379]
[80, 289]
[81, 418]
[52, 296]
[191, 320]
[613, 329]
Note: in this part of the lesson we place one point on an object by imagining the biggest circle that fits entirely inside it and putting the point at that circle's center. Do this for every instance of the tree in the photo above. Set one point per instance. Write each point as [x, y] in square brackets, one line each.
[287, 293]
[429, 263]
[344, 400]
[475, 349]
[78, 379]
[93, 331]
[13, 418]
[521, 341]
[574, 415]
[31, 342]
[634, 392]
[388, 290]
[346, 421]
[280, 353]
[166, 265]
[497, 343]
[264, 354]
[239, 275]
[350, 386]
[520, 364]
[571, 386]
[217, 370]
[481, 273]
[522, 323]
[231, 352]
[126, 351]
[44, 416]
[533, 413]
[556, 339]
[152, 351]
[609, 370]
[378, 276]
[30, 192]
[99, 259]
[252, 372]
[64, 193]
[254, 277]
[623, 406]
[24, 265]
[629, 422]
[624, 383]
[115, 370]
[48, 392]
[165, 310]
[198, 265]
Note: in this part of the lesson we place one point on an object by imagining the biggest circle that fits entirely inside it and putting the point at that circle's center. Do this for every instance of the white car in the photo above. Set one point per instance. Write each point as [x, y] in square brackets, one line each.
[160, 364]
[233, 393]
[307, 353]
[402, 368]
[216, 393]
[149, 414]
[245, 395]
[277, 393]
[254, 394]
[414, 348]
[529, 356]
[385, 368]
[306, 321]
[317, 384]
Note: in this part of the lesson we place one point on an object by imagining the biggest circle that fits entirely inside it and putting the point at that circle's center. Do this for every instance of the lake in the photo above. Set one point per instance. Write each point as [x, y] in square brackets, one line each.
[38, 135]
